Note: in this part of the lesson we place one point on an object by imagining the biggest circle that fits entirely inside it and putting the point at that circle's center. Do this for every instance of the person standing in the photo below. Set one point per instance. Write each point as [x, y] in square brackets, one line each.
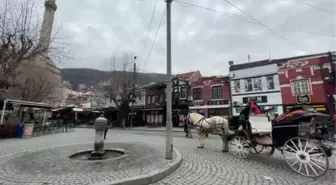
[185, 125]
[106, 128]
[188, 128]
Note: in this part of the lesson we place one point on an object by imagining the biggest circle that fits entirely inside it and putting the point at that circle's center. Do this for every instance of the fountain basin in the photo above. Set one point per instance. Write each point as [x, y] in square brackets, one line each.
[106, 154]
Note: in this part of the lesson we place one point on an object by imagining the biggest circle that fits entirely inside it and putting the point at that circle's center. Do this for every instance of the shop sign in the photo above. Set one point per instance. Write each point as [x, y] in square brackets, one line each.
[258, 99]
[218, 102]
[303, 99]
[196, 103]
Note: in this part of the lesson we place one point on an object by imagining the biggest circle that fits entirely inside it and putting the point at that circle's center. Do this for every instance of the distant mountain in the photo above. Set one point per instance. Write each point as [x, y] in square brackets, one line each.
[92, 76]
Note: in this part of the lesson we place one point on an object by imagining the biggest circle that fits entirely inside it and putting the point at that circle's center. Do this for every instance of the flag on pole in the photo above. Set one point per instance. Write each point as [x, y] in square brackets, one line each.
[254, 108]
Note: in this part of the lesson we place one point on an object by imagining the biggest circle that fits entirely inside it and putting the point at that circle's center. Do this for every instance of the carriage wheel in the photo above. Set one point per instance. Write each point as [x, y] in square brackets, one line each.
[305, 157]
[240, 147]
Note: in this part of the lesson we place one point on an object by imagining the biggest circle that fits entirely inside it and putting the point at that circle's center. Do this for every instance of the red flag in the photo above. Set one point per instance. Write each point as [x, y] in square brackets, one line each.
[254, 108]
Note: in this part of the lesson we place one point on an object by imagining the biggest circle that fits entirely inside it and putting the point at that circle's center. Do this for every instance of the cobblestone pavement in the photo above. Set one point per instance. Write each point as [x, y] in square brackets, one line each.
[208, 166]
[45, 160]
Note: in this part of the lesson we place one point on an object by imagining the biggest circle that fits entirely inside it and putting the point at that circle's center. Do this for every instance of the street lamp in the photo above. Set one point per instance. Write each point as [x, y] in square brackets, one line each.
[133, 90]
[169, 124]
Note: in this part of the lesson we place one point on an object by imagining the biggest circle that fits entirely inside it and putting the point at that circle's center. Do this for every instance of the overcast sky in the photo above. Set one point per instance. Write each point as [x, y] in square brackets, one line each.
[202, 39]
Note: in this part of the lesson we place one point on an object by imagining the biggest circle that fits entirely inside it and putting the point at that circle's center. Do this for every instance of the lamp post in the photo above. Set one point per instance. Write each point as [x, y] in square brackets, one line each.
[169, 126]
[133, 90]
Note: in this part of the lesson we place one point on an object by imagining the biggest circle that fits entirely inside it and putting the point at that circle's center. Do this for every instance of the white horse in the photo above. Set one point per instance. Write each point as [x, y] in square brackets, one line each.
[215, 125]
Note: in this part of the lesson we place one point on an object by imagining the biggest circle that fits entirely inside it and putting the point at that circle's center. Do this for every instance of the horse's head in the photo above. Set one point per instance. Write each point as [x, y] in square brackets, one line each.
[194, 117]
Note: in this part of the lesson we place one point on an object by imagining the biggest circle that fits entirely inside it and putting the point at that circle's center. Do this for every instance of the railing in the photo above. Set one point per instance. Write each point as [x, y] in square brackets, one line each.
[53, 127]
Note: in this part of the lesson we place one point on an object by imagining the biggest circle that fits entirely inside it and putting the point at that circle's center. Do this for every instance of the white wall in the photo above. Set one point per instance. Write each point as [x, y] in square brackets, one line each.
[251, 72]
[273, 98]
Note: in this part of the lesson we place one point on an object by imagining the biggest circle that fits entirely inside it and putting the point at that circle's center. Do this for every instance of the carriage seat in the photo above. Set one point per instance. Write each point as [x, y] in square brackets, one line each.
[260, 125]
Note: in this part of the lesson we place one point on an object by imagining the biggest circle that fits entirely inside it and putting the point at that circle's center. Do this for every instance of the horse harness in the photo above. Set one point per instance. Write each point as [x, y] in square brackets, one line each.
[198, 124]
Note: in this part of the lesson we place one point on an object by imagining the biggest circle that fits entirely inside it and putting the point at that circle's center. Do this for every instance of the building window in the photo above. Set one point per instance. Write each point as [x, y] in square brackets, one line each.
[217, 92]
[197, 94]
[183, 92]
[301, 87]
[161, 98]
[153, 99]
[248, 85]
[236, 85]
[257, 86]
[270, 82]
[148, 99]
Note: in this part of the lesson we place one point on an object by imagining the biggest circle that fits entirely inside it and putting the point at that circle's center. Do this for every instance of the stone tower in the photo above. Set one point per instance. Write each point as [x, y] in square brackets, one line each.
[47, 25]
[44, 64]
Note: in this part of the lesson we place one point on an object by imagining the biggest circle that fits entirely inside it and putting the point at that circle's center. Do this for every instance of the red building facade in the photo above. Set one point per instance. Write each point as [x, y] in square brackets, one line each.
[308, 80]
[210, 96]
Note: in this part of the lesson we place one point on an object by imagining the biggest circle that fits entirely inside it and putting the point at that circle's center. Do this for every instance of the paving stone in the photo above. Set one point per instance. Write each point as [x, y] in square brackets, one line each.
[200, 166]
[45, 160]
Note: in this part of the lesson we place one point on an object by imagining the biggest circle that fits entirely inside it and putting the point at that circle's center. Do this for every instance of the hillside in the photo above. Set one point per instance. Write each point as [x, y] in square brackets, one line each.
[92, 76]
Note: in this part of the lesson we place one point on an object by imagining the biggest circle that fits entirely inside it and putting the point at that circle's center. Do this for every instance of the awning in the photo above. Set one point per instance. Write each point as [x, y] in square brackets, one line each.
[28, 104]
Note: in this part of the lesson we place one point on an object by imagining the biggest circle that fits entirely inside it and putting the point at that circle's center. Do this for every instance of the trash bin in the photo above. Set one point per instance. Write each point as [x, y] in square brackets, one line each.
[19, 130]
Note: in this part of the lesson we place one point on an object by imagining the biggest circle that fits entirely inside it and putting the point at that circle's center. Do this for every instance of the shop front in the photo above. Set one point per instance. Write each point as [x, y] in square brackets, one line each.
[307, 100]
[154, 117]
[212, 108]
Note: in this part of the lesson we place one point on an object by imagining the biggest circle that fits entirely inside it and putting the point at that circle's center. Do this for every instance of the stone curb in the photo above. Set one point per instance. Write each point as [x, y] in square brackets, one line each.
[151, 177]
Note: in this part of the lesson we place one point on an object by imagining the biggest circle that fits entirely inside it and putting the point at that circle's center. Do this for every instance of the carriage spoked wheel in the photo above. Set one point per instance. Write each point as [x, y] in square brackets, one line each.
[239, 146]
[305, 157]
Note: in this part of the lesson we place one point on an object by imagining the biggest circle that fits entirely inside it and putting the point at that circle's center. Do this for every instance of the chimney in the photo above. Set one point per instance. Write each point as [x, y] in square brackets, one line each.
[231, 63]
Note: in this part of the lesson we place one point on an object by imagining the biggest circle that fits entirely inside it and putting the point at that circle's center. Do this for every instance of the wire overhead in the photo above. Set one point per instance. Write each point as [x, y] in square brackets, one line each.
[247, 19]
[284, 38]
[150, 26]
[316, 7]
[157, 32]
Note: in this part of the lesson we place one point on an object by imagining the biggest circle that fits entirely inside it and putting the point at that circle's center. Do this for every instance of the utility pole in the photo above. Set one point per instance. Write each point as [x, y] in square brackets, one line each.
[169, 124]
[133, 91]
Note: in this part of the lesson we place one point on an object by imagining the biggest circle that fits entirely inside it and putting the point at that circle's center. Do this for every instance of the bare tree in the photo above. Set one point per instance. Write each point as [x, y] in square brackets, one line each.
[36, 88]
[20, 29]
[97, 100]
[119, 86]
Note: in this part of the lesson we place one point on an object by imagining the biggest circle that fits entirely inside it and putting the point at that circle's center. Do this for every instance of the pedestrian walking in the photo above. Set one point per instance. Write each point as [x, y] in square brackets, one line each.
[183, 119]
[185, 126]
[105, 132]
[106, 128]
[189, 134]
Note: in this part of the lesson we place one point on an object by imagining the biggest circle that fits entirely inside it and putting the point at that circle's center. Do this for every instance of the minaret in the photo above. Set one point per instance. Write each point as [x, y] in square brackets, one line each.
[47, 25]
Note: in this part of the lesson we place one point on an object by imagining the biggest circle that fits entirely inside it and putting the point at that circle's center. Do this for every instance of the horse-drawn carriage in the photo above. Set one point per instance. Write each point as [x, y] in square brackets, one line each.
[295, 134]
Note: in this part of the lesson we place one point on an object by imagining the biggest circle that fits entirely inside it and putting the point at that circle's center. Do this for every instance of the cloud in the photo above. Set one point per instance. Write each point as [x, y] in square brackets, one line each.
[201, 39]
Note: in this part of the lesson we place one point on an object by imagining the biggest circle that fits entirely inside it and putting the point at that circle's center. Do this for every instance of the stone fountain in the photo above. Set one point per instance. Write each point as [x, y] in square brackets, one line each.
[99, 152]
